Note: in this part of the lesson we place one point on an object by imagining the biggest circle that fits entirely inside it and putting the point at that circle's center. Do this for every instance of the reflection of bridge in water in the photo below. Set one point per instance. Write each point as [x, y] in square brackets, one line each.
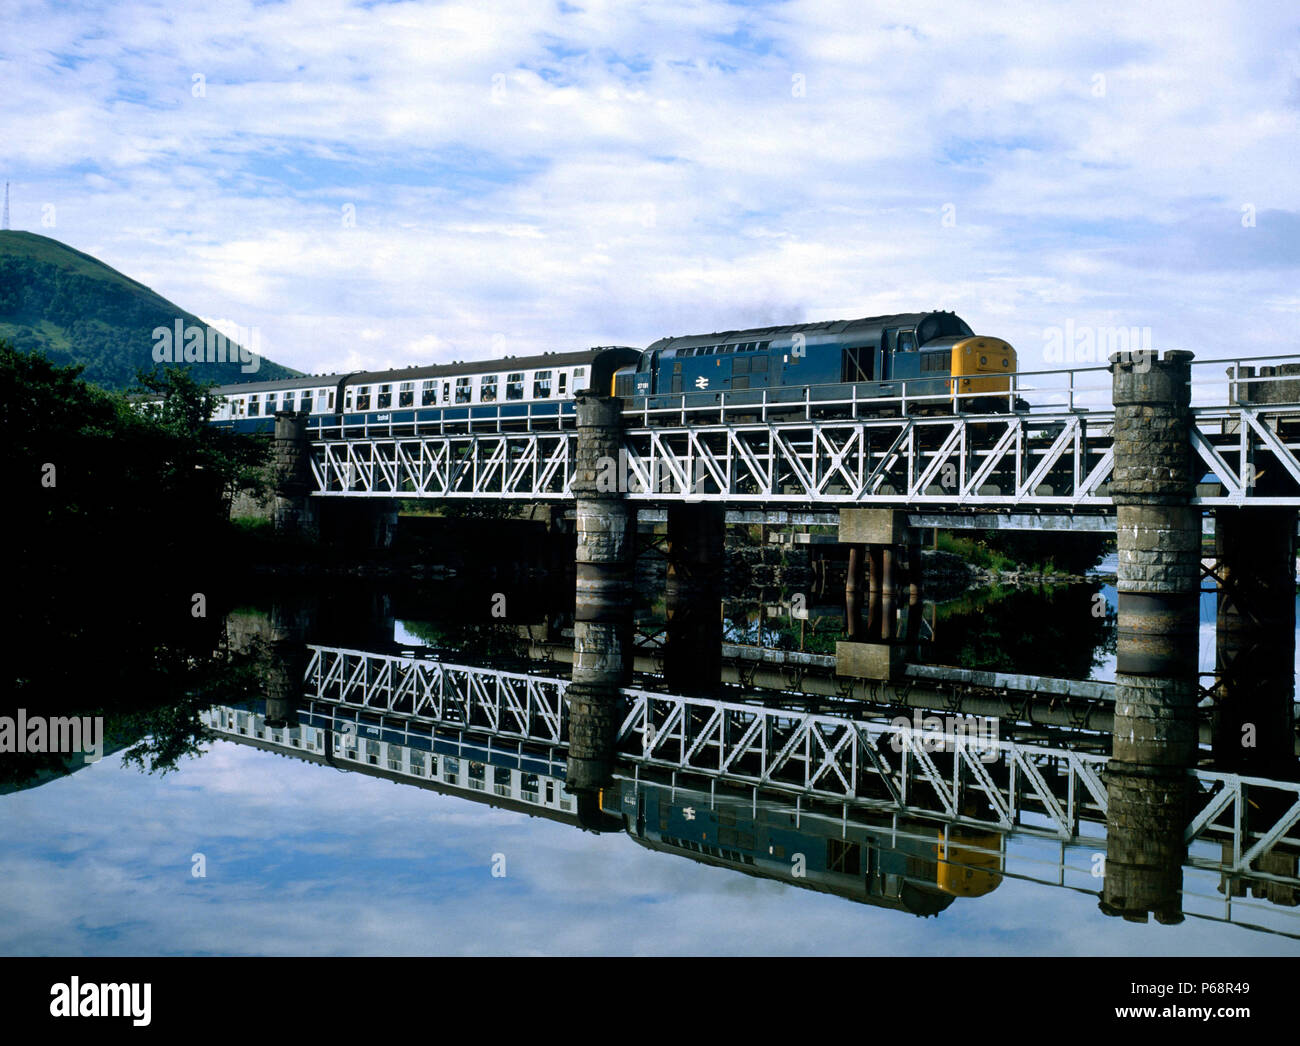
[862, 807]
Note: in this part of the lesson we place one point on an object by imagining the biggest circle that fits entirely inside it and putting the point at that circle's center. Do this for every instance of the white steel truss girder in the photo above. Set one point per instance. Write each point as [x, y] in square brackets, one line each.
[503, 465]
[1054, 461]
[872, 763]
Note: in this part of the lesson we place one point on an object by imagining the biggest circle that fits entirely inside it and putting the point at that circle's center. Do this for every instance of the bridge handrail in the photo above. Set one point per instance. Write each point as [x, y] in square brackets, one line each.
[739, 400]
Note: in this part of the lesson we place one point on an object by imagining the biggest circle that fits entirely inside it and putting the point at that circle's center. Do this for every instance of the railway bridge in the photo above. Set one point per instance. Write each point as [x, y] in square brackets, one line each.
[1158, 449]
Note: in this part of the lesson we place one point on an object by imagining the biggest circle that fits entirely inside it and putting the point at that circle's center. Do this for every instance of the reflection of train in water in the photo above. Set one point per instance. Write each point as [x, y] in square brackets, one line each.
[908, 868]
[944, 364]
[906, 864]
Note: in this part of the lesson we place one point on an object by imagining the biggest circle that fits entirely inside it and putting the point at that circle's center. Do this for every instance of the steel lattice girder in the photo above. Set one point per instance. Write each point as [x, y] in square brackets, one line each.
[834, 757]
[507, 704]
[872, 763]
[788, 750]
[1050, 460]
[954, 460]
[504, 465]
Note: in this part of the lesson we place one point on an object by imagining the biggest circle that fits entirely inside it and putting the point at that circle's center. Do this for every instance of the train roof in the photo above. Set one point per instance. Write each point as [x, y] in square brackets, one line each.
[310, 381]
[510, 363]
[434, 370]
[866, 323]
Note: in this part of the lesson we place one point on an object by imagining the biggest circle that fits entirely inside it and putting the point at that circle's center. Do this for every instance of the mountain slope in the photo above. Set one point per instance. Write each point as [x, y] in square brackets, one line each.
[76, 309]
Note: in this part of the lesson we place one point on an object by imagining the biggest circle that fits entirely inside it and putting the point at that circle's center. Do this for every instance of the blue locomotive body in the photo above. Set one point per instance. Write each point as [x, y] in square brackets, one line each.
[931, 357]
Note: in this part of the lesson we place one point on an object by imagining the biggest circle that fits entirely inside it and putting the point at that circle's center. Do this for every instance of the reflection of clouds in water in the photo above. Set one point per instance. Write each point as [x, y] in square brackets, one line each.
[1206, 634]
[305, 860]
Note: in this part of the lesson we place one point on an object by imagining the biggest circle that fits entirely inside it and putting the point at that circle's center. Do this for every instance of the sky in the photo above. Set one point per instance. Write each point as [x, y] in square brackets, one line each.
[371, 184]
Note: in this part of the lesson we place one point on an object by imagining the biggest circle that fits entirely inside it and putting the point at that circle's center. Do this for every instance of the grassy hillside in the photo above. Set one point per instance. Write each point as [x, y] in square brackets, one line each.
[76, 309]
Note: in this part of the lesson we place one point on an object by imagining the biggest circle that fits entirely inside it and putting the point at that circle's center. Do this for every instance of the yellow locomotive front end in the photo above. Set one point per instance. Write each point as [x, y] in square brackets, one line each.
[970, 863]
[982, 366]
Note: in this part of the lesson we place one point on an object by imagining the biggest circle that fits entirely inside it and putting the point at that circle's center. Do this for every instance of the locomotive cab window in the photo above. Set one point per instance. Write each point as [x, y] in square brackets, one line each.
[907, 341]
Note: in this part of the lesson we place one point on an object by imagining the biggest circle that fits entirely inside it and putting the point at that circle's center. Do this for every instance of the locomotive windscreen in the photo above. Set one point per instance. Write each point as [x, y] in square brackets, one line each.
[942, 325]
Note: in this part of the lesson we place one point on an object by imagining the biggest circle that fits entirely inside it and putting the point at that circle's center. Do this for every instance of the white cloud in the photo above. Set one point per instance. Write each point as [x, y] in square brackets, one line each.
[647, 169]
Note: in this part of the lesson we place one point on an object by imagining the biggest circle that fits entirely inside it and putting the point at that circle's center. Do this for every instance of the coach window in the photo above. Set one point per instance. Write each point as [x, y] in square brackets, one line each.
[487, 389]
[252, 406]
[462, 390]
[446, 392]
[406, 394]
[515, 386]
[385, 397]
[363, 397]
[562, 382]
[347, 395]
[270, 404]
[428, 393]
[542, 385]
[304, 401]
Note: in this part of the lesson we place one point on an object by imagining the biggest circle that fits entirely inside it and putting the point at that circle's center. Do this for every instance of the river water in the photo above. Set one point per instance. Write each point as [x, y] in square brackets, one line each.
[253, 848]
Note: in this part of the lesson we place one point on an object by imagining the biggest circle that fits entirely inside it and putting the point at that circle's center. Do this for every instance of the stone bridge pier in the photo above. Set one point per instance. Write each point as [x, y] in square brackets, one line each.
[602, 627]
[693, 598]
[885, 567]
[294, 511]
[1254, 571]
[1156, 727]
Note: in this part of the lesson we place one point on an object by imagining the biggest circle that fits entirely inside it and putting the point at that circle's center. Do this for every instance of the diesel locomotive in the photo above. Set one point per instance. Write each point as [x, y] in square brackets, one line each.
[934, 359]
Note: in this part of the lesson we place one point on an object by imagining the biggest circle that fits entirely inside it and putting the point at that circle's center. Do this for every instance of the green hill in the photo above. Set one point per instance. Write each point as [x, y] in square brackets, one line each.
[76, 309]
